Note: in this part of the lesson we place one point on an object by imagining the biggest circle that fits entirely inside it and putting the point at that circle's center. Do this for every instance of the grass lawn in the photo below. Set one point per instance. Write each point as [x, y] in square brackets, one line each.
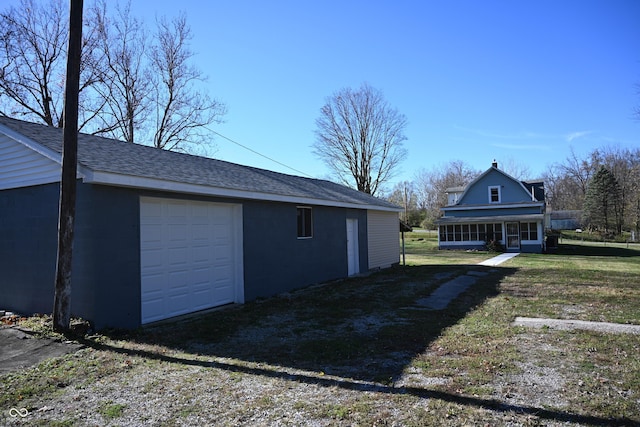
[363, 352]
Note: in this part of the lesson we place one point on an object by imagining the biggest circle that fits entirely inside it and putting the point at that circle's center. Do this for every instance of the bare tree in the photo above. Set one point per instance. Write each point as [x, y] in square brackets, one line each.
[32, 61]
[118, 94]
[33, 48]
[181, 112]
[561, 190]
[580, 170]
[359, 136]
[516, 169]
[404, 194]
[431, 186]
[624, 164]
[122, 70]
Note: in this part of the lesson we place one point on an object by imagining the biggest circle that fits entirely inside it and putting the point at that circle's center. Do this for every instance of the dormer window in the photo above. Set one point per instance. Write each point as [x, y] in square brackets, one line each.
[494, 194]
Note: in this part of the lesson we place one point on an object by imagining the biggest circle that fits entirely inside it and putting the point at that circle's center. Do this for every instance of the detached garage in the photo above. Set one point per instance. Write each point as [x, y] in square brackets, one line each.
[161, 234]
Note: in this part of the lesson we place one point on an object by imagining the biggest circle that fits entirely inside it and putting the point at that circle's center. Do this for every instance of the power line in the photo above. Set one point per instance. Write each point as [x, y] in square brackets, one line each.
[259, 154]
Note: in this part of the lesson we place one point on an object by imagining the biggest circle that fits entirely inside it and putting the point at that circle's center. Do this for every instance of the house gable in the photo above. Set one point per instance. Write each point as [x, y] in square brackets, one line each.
[20, 166]
[495, 187]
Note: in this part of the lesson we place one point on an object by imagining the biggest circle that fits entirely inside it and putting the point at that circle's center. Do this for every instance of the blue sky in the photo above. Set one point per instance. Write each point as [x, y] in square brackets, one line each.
[521, 81]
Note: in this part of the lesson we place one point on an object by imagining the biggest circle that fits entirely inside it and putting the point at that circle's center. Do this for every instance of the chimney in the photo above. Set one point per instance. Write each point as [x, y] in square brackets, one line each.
[494, 164]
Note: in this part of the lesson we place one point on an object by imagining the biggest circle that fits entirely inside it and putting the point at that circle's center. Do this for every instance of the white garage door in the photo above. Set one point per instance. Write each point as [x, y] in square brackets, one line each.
[191, 256]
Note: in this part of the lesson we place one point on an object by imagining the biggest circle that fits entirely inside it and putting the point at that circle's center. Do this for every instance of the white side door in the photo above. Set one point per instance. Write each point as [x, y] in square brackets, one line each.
[353, 253]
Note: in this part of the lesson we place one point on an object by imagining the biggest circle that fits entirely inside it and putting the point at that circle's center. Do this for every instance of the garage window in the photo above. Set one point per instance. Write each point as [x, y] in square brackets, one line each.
[305, 229]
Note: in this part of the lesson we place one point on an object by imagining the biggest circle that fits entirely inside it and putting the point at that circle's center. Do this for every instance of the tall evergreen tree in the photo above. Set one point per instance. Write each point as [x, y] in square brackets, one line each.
[602, 201]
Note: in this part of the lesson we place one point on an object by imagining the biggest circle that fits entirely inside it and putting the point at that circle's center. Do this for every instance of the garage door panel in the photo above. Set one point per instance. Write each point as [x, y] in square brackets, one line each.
[191, 256]
[154, 310]
[202, 295]
[179, 302]
[152, 257]
[200, 232]
[150, 210]
[223, 294]
[201, 254]
[177, 256]
[175, 207]
[152, 232]
[156, 283]
[202, 276]
[178, 279]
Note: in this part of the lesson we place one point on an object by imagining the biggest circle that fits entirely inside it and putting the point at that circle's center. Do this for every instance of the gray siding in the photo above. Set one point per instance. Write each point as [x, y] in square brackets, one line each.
[107, 250]
[531, 248]
[276, 261]
[28, 223]
[105, 280]
[106, 262]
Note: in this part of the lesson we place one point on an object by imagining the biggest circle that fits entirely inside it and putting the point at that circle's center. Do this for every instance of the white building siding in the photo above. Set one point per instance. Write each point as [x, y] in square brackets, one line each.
[383, 240]
[22, 167]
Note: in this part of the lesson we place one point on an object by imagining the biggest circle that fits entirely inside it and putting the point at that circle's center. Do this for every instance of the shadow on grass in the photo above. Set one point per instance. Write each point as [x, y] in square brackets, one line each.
[348, 384]
[367, 328]
[569, 249]
[356, 334]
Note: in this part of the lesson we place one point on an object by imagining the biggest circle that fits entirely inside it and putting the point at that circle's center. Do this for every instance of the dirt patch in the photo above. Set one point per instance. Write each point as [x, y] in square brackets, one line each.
[540, 378]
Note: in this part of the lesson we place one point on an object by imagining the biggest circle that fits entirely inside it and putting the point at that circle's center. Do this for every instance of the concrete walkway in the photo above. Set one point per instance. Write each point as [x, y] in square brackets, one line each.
[497, 260]
[448, 291]
[567, 325]
[19, 349]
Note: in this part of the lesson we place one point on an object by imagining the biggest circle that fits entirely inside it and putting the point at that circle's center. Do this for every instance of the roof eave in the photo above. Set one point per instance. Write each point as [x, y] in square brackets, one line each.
[487, 219]
[492, 206]
[120, 180]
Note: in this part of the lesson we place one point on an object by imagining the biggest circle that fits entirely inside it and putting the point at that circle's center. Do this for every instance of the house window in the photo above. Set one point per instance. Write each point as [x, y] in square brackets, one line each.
[494, 194]
[482, 235]
[497, 231]
[494, 232]
[529, 231]
[474, 232]
[305, 229]
[458, 232]
[465, 232]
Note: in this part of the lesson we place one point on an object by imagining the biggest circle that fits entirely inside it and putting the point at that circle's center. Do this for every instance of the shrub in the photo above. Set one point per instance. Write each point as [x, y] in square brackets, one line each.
[494, 245]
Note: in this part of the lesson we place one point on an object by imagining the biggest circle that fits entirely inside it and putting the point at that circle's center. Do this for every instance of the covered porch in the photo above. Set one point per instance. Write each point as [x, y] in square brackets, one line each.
[516, 233]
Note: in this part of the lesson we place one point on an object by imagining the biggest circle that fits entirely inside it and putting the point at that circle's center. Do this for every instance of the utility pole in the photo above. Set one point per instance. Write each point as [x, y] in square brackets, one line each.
[62, 297]
[406, 202]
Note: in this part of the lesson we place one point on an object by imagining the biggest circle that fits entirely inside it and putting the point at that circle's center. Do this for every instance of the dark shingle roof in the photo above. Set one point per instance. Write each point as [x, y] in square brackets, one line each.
[100, 154]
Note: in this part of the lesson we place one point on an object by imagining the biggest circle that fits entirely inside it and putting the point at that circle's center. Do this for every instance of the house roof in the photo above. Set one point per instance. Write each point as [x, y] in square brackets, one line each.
[112, 162]
[537, 187]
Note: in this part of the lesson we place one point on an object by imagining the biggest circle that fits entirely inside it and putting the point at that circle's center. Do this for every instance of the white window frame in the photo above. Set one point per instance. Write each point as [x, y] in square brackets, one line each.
[496, 187]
